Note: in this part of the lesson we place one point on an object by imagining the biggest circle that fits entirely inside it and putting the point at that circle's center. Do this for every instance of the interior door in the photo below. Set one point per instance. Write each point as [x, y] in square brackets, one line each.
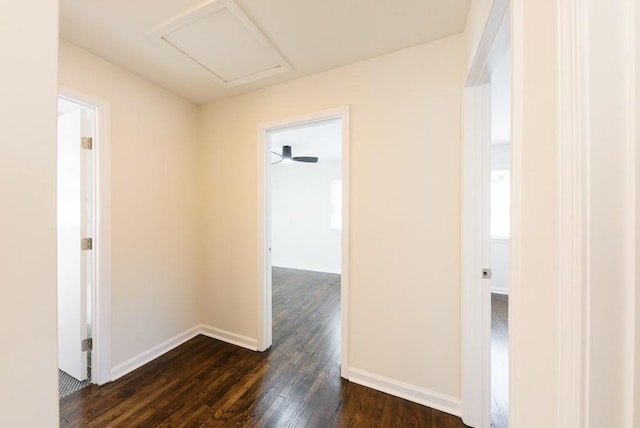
[73, 263]
[485, 244]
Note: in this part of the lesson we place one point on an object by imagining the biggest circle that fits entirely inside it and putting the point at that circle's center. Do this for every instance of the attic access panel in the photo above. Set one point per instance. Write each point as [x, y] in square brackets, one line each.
[223, 41]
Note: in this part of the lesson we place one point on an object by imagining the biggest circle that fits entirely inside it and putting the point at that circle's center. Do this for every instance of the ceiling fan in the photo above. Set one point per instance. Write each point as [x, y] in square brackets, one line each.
[286, 157]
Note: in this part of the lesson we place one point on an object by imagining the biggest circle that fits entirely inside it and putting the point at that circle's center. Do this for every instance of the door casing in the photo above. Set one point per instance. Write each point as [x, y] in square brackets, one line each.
[264, 222]
[101, 291]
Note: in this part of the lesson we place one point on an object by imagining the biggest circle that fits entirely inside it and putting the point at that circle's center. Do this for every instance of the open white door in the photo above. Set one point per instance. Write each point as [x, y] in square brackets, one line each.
[476, 296]
[74, 222]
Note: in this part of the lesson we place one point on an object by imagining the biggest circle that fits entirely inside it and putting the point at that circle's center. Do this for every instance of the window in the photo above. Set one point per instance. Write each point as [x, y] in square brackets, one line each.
[336, 204]
[500, 203]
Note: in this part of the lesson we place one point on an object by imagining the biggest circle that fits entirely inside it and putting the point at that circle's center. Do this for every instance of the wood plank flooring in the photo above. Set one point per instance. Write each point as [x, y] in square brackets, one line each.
[499, 361]
[296, 383]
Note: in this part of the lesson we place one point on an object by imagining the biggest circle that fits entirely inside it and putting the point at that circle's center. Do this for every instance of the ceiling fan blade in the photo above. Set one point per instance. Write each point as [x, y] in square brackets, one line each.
[278, 161]
[309, 159]
[277, 154]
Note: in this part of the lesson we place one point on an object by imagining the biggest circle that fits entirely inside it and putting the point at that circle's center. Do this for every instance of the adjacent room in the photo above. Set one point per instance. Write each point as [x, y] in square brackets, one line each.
[305, 195]
[500, 231]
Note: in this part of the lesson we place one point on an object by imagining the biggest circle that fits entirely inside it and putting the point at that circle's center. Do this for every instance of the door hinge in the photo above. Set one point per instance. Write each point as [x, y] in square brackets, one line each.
[486, 273]
[87, 344]
[86, 143]
[86, 244]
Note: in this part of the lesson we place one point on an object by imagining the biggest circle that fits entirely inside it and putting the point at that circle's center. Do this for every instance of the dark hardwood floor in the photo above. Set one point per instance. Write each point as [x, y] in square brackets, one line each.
[499, 361]
[296, 383]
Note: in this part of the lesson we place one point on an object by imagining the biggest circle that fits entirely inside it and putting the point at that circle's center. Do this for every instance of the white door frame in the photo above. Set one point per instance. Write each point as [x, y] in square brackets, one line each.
[575, 55]
[573, 229]
[101, 291]
[577, 172]
[264, 221]
[476, 296]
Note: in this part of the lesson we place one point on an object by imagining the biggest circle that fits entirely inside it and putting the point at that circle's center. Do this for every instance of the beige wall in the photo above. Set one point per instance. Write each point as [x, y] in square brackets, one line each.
[405, 207]
[533, 301]
[28, 328]
[153, 205]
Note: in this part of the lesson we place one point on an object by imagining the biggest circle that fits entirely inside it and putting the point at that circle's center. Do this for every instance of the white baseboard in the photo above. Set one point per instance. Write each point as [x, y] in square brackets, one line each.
[498, 290]
[409, 392]
[177, 340]
[323, 269]
[153, 353]
[227, 336]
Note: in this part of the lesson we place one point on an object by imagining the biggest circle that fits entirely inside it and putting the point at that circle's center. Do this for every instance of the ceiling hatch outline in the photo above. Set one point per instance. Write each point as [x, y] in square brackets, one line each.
[198, 36]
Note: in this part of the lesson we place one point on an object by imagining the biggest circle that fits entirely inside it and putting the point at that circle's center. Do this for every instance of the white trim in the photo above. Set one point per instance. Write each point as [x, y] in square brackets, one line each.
[265, 313]
[575, 388]
[500, 290]
[495, 38]
[153, 353]
[264, 256]
[311, 268]
[476, 298]
[346, 226]
[423, 396]
[572, 170]
[228, 337]
[101, 313]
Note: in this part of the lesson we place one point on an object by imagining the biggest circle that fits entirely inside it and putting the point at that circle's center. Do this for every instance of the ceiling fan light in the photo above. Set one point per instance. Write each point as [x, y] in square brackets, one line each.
[286, 153]
[287, 160]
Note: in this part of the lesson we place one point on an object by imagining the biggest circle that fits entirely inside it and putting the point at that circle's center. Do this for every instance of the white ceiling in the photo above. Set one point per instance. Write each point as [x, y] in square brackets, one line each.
[320, 139]
[311, 35]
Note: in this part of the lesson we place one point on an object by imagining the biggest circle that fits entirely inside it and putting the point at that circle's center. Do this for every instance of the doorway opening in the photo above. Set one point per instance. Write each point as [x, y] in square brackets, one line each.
[306, 197]
[304, 201]
[486, 245]
[83, 242]
[306, 228]
[500, 238]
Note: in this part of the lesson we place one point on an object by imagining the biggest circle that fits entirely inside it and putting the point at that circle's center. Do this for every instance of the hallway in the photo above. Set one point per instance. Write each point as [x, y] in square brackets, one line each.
[296, 383]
